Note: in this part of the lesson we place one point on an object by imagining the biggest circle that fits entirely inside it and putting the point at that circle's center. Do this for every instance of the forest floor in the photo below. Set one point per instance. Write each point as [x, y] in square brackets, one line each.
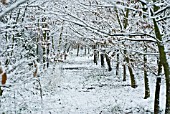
[85, 88]
[78, 86]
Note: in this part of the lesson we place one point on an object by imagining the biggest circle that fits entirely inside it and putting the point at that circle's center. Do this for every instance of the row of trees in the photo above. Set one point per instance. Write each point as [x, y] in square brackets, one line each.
[133, 33]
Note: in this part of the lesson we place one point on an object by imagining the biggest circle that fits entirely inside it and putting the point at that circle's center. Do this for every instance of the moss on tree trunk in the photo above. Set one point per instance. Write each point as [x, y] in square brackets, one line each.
[157, 90]
[164, 62]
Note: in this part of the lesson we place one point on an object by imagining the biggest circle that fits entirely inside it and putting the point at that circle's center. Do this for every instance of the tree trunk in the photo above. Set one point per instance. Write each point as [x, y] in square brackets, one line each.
[146, 82]
[132, 77]
[95, 56]
[126, 59]
[88, 51]
[157, 90]
[167, 74]
[48, 51]
[78, 49]
[60, 37]
[85, 50]
[117, 65]
[1, 91]
[124, 67]
[102, 59]
[164, 62]
[44, 51]
[108, 62]
[124, 72]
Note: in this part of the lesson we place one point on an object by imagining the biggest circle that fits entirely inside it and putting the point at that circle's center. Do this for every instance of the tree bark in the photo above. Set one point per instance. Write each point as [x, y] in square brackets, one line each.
[108, 62]
[78, 49]
[132, 77]
[1, 91]
[164, 62]
[157, 90]
[124, 72]
[147, 91]
[85, 50]
[95, 54]
[102, 59]
[124, 67]
[95, 57]
[117, 65]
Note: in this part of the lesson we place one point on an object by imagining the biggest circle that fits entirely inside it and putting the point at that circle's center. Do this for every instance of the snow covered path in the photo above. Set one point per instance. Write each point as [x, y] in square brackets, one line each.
[84, 88]
[78, 86]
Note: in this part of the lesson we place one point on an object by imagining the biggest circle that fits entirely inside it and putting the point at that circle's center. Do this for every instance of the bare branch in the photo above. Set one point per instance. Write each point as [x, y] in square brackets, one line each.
[162, 10]
[13, 6]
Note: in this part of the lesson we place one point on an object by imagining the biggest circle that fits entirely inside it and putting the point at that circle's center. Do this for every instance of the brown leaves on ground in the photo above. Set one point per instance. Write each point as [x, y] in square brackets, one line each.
[4, 78]
[4, 2]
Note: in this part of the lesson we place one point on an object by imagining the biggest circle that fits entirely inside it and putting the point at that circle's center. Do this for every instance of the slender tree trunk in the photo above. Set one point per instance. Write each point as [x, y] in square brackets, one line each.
[68, 49]
[60, 38]
[1, 91]
[1, 71]
[124, 67]
[125, 25]
[37, 41]
[78, 49]
[124, 72]
[95, 57]
[88, 52]
[117, 65]
[65, 49]
[108, 62]
[52, 38]
[37, 50]
[102, 59]
[95, 54]
[146, 82]
[17, 18]
[85, 50]
[48, 50]
[157, 92]
[44, 50]
[157, 89]
[132, 77]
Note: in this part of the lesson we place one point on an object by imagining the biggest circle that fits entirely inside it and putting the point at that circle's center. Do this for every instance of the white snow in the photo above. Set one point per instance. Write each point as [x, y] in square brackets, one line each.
[77, 86]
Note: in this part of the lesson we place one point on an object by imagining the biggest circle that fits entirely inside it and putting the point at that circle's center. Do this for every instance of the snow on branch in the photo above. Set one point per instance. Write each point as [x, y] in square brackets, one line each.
[164, 18]
[13, 6]
[162, 10]
[98, 31]
[143, 1]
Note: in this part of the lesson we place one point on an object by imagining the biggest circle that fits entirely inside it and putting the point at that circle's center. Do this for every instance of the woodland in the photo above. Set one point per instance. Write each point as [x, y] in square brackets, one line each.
[85, 56]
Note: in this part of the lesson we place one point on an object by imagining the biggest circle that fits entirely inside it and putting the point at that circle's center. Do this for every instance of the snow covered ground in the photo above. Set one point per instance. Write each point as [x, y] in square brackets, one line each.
[78, 86]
